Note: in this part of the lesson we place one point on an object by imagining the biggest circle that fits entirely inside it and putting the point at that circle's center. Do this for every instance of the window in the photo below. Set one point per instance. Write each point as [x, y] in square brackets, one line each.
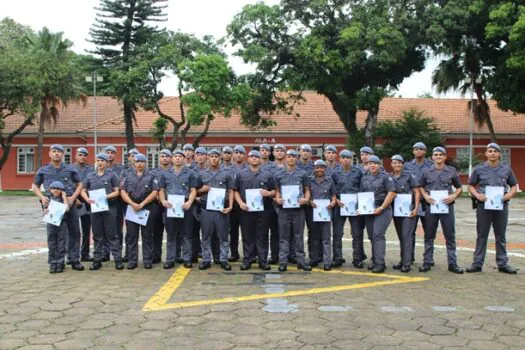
[100, 149]
[124, 155]
[505, 156]
[26, 160]
[67, 155]
[463, 153]
[152, 153]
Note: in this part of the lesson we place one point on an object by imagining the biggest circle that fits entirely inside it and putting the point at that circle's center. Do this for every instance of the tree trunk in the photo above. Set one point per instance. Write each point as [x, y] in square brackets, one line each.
[128, 120]
[204, 132]
[370, 127]
[484, 108]
[175, 139]
[40, 143]
[346, 112]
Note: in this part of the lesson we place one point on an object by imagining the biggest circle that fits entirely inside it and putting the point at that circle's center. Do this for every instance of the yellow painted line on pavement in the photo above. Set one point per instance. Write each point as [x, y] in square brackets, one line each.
[160, 300]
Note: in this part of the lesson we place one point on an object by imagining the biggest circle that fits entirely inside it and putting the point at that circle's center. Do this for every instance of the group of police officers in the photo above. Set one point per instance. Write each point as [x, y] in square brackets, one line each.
[274, 235]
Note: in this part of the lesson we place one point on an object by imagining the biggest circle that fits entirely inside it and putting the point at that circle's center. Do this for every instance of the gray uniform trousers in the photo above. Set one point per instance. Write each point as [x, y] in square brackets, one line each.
[274, 233]
[321, 241]
[291, 223]
[405, 228]
[85, 224]
[314, 255]
[356, 226]
[214, 222]
[179, 237]
[104, 230]
[73, 234]
[132, 240]
[448, 225]
[157, 215]
[376, 226]
[254, 228]
[414, 229]
[56, 243]
[498, 220]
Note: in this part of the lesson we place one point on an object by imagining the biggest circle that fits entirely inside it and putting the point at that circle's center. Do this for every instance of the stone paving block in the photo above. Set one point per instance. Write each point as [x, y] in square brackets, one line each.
[44, 339]
[11, 343]
[486, 345]
[73, 344]
[448, 340]
[511, 340]
[351, 344]
[475, 334]
[252, 340]
[436, 330]
[95, 324]
[316, 339]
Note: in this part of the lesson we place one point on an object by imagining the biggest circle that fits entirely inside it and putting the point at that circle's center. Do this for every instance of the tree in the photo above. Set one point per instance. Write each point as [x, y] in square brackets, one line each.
[120, 28]
[426, 94]
[398, 136]
[352, 52]
[60, 79]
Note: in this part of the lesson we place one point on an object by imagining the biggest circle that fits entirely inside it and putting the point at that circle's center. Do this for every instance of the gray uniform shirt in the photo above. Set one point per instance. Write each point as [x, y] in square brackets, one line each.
[108, 181]
[248, 179]
[440, 180]
[139, 187]
[179, 183]
[218, 179]
[405, 183]
[380, 183]
[348, 182]
[417, 169]
[83, 170]
[67, 174]
[289, 178]
[322, 188]
[484, 175]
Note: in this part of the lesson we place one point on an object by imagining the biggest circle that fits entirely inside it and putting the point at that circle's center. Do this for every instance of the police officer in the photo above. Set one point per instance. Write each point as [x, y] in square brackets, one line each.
[139, 190]
[440, 177]
[416, 167]
[104, 229]
[348, 181]
[56, 235]
[492, 173]
[117, 168]
[70, 178]
[254, 224]
[226, 157]
[305, 163]
[321, 187]
[379, 182]
[266, 151]
[189, 153]
[278, 165]
[179, 180]
[305, 159]
[364, 153]
[200, 166]
[85, 220]
[215, 221]
[130, 166]
[239, 155]
[291, 220]
[405, 183]
[330, 155]
[157, 211]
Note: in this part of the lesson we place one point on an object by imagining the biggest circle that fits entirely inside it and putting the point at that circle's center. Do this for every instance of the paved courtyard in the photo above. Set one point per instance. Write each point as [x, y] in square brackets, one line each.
[343, 309]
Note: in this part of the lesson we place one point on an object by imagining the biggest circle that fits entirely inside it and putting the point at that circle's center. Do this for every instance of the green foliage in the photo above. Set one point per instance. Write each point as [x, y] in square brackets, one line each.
[399, 136]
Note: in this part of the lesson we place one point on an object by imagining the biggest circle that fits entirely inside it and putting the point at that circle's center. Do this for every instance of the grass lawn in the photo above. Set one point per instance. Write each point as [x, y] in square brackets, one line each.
[17, 193]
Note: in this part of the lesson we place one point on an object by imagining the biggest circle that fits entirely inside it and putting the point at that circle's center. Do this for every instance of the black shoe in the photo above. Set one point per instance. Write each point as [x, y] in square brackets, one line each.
[168, 265]
[124, 259]
[59, 268]
[292, 260]
[314, 263]
[364, 257]
[273, 261]
[156, 261]
[77, 266]
[188, 265]
[473, 269]
[304, 267]
[508, 269]
[119, 265]
[106, 259]
[217, 262]
[455, 269]
[397, 266]
[327, 267]
[52, 269]
[86, 258]
[358, 264]
[234, 259]
[425, 268]
[337, 263]
[148, 266]
[246, 266]
[405, 268]
[195, 260]
[370, 267]
[204, 265]
[378, 269]
[132, 266]
[432, 264]
[69, 262]
[95, 266]
[225, 266]
[265, 267]
[283, 267]
[179, 260]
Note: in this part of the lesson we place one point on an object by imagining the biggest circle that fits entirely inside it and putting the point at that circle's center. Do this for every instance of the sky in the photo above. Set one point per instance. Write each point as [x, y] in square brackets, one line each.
[200, 17]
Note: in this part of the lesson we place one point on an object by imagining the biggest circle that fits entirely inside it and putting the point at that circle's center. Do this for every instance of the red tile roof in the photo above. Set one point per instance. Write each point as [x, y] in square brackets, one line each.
[316, 117]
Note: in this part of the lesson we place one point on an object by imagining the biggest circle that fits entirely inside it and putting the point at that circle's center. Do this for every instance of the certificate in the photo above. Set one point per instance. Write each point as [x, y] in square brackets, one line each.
[176, 210]
[139, 217]
[350, 202]
[254, 199]
[365, 203]
[321, 212]
[55, 213]
[215, 200]
[290, 196]
[101, 202]
[402, 204]
[494, 196]
[439, 207]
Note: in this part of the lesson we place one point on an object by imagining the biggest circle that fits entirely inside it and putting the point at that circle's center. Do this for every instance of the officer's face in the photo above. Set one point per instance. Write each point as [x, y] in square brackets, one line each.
[364, 157]
[140, 166]
[279, 153]
[214, 159]
[56, 155]
[81, 158]
[330, 155]
[265, 154]
[200, 158]
[439, 157]
[345, 161]
[397, 165]
[101, 164]
[291, 160]
[131, 158]
[239, 156]
[319, 171]
[111, 155]
[373, 167]
[178, 159]
[253, 160]
[492, 154]
[305, 154]
[164, 159]
[419, 152]
[227, 156]
[188, 153]
[55, 192]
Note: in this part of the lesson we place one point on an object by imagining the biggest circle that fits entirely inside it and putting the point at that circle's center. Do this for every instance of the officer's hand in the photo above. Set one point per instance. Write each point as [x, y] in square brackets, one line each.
[450, 199]
[429, 199]
[340, 204]
[279, 201]
[70, 201]
[482, 198]
[413, 213]
[507, 197]
[227, 210]
[204, 189]
[303, 201]
[91, 201]
[244, 206]
[378, 211]
[136, 207]
[78, 203]
[167, 204]
[312, 204]
[198, 199]
[44, 200]
[332, 204]
[266, 193]
[186, 205]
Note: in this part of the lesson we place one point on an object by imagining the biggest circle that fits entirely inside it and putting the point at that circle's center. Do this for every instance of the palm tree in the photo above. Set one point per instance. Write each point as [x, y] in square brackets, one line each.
[62, 79]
